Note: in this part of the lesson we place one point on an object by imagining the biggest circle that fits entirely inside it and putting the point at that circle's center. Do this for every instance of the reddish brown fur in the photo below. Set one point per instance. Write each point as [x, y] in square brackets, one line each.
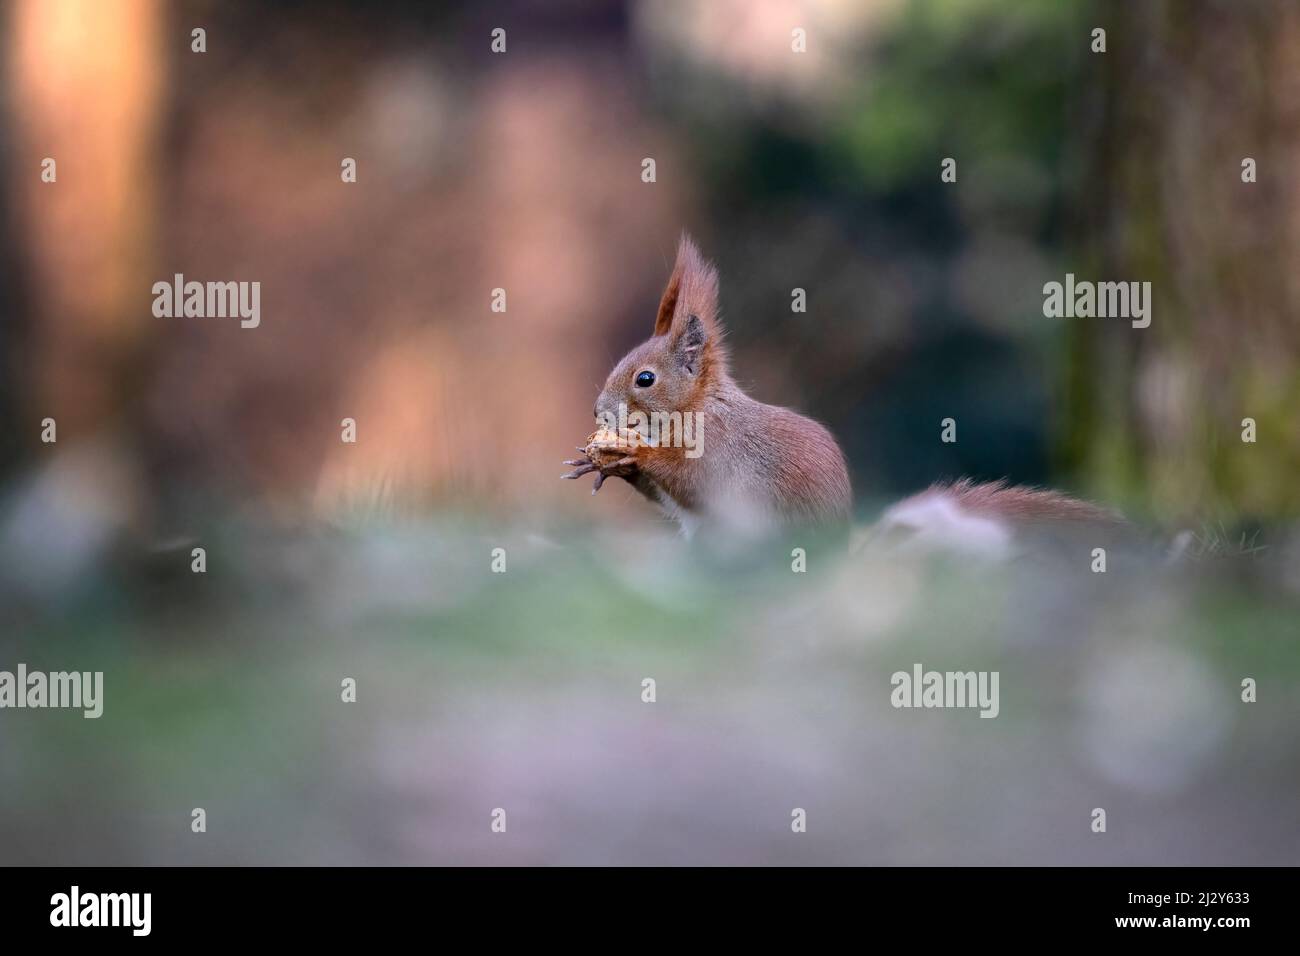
[762, 464]
[1028, 505]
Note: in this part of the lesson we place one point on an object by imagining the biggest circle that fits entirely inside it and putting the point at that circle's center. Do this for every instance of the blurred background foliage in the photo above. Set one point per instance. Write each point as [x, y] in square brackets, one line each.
[818, 171]
[522, 171]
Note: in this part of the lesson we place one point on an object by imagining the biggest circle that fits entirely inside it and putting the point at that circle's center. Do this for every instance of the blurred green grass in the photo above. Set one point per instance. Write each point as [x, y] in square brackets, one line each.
[522, 690]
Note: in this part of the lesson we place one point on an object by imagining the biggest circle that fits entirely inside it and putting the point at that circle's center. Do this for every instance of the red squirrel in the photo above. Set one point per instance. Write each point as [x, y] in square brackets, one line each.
[678, 428]
[754, 467]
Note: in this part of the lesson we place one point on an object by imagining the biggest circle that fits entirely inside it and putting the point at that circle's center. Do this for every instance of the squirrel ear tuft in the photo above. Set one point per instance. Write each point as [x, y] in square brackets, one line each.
[692, 290]
[668, 304]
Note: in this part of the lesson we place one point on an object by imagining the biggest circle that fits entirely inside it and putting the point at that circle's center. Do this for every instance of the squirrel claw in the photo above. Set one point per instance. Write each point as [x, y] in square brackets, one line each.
[619, 469]
[582, 469]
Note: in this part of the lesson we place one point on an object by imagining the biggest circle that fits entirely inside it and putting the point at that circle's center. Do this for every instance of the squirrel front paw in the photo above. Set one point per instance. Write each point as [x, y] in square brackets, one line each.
[609, 453]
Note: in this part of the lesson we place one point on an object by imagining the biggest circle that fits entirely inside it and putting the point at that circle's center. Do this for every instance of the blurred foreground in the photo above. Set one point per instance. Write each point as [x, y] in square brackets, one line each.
[522, 690]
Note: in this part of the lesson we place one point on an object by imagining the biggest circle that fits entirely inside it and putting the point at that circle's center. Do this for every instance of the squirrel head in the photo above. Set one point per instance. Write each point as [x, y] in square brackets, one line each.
[684, 360]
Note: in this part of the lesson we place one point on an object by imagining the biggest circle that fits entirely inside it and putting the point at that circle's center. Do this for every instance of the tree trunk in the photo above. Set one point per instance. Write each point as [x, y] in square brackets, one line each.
[1184, 94]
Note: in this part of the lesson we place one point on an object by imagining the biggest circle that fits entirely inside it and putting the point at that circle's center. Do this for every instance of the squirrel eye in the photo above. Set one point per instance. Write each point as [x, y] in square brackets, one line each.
[645, 379]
